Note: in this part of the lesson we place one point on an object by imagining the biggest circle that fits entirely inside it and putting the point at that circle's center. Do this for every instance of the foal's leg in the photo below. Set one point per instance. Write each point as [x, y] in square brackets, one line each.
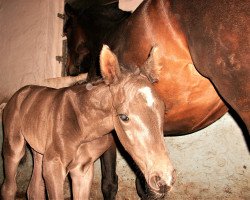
[36, 189]
[13, 151]
[81, 181]
[54, 174]
[109, 177]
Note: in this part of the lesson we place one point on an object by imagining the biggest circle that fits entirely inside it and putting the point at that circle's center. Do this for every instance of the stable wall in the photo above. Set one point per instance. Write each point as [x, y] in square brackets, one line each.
[30, 39]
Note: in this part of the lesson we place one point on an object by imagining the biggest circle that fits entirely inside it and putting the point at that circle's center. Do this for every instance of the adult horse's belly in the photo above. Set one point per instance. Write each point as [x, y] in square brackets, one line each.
[218, 35]
[191, 100]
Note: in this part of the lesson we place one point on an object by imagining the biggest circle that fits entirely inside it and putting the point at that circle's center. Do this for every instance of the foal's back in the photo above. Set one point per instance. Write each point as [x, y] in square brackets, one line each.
[38, 111]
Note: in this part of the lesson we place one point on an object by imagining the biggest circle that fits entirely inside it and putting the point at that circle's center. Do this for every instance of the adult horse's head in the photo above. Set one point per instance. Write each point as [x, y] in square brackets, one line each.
[86, 31]
[78, 59]
[138, 116]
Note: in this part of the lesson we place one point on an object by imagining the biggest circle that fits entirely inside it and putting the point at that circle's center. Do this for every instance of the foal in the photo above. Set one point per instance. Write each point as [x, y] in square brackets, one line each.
[68, 129]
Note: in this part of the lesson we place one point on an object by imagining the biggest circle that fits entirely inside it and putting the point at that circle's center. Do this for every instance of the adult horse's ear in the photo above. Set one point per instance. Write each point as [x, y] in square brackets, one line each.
[109, 65]
[152, 67]
[69, 11]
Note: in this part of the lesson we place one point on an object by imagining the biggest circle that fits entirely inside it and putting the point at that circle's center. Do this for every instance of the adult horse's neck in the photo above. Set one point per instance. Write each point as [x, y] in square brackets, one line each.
[94, 109]
[151, 24]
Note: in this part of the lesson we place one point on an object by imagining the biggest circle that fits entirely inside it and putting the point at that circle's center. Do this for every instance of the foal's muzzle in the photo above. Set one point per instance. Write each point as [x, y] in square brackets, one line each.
[158, 186]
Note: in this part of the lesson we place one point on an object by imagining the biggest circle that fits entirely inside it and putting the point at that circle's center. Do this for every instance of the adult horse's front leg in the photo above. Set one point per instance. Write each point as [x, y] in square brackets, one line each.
[109, 177]
[54, 174]
[36, 188]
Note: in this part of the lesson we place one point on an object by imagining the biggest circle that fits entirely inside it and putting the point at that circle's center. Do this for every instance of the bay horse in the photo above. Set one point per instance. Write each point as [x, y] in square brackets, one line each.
[214, 36]
[68, 129]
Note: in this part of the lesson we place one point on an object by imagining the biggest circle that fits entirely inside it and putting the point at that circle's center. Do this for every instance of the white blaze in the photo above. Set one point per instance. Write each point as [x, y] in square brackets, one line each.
[146, 91]
[141, 132]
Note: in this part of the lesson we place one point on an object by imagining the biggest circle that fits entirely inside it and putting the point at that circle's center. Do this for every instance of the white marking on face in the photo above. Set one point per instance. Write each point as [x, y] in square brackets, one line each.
[141, 131]
[144, 129]
[147, 92]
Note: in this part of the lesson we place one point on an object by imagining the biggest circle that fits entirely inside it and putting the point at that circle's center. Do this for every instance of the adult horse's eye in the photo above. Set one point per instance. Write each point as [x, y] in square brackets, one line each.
[123, 117]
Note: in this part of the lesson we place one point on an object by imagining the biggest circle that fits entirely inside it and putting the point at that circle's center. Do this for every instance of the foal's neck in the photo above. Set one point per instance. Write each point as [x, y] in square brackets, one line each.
[94, 110]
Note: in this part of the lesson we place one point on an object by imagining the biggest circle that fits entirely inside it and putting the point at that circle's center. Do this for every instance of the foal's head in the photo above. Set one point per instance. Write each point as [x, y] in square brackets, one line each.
[138, 115]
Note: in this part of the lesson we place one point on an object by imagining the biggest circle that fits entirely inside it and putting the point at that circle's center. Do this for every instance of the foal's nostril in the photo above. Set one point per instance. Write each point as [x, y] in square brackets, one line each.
[157, 184]
[163, 188]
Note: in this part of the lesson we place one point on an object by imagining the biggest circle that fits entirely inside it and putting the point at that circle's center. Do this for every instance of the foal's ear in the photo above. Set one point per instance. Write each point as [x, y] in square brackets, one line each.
[152, 66]
[110, 69]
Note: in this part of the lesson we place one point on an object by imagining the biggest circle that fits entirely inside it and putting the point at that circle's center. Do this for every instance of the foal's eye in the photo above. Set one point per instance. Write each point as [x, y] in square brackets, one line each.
[123, 117]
